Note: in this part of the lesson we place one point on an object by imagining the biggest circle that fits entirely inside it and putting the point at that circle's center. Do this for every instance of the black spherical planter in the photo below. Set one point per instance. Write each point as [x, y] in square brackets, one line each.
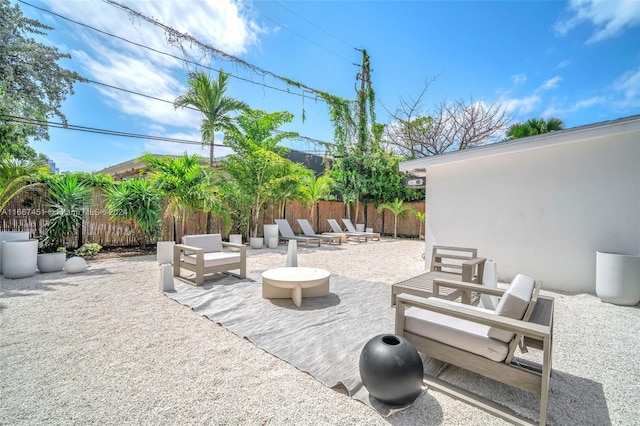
[391, 369]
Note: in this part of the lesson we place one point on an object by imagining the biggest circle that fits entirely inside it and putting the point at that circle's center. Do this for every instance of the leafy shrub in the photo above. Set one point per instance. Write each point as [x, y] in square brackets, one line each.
[88, 250]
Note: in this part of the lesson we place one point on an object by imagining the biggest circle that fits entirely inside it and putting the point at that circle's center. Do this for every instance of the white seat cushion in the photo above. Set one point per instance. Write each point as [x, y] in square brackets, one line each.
[208, 242]
[219, 258]
[513, 304]
[462, 334]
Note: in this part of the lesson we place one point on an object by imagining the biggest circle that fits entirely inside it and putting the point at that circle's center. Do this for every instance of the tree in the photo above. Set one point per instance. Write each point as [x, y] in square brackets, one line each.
[187, 186]
[257, 165]
[398, 208]
[17, 176]
[208, 96]
[32, 84]
[139, 201]
[534, 126]
[67, 201]
[316, 189]
[450, 126]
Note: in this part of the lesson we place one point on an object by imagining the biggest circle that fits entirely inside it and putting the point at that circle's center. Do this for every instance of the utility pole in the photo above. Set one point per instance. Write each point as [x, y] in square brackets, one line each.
[365, 78]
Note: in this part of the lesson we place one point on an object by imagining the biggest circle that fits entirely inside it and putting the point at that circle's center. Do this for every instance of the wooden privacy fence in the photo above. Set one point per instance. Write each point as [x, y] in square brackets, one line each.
[27, 212]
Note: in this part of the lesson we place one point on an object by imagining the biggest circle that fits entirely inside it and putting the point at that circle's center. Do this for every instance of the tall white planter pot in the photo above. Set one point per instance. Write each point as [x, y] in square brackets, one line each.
[235, 239]
[164, 251]
[618, 278]
[20, 258]
[270, 231]
[11, 235]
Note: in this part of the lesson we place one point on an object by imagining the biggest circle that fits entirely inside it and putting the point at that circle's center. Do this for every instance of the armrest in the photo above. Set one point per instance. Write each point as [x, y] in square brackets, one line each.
[475, 261]
[464, 312]
[460, 285]
[233, 245]
[183, 247]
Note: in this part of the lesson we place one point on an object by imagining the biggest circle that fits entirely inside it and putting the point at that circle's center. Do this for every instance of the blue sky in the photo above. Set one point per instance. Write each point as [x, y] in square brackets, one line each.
[577, 60]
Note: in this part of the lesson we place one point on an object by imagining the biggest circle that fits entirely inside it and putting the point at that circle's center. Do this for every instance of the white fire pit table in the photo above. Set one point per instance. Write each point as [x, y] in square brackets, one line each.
[295, 283]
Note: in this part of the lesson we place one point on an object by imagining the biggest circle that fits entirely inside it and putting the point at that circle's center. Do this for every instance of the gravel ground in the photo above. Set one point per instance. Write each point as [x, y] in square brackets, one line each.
[107, 347]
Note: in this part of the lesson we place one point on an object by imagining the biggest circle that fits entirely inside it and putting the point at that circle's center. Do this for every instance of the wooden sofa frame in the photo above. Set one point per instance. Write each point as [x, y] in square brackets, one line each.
[535, 330]
[458, 263]
[199, 268]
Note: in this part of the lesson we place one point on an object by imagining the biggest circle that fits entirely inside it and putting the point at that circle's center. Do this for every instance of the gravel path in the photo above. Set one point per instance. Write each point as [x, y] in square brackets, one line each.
[107, 347]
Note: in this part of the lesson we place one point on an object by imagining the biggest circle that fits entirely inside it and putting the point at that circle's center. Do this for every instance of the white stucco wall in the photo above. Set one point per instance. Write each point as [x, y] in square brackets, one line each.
[543, 212]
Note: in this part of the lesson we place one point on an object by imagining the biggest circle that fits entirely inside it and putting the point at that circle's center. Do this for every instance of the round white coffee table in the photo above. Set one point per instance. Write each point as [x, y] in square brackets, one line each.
[295, 283]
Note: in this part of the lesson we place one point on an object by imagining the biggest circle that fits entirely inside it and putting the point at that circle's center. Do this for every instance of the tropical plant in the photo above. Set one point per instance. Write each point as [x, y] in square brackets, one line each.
[17, 176]
[534, 126]
[187, 186]
[422, 216]
[208, 96]
[290, 185]
[257, 165]
[398, 208]
[316, 189]
[137, 200]
[67, 202]
[88, 250]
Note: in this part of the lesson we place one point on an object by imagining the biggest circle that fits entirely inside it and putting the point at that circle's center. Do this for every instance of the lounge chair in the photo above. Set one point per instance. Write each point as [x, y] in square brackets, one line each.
[484, 341]
[456, 263]
[287, 233]
[204, 254]
[351, 228]
[358, 236]
[308, 231]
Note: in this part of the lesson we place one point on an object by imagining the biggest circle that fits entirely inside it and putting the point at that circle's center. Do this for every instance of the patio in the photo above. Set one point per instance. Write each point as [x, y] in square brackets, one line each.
[107, 347]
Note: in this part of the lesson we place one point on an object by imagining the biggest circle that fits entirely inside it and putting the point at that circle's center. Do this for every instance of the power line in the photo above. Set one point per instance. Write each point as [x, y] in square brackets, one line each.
[299, 137]
[311, 23]
[303, 37]
[164, 53]
[173, 34]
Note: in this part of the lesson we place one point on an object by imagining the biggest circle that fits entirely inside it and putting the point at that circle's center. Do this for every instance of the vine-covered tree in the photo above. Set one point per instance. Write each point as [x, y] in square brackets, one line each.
[534, 126]
[449, 126]
[32, 83]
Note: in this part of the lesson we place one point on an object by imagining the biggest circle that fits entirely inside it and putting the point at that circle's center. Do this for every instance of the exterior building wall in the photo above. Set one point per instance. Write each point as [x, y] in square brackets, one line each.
[542, 212]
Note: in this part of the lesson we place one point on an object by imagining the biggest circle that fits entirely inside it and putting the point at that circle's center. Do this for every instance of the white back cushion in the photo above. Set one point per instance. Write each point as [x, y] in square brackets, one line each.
[208, 242]
[513, 304]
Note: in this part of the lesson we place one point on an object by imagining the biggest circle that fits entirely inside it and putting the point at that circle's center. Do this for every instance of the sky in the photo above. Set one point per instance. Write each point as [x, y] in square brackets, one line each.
[578, 61]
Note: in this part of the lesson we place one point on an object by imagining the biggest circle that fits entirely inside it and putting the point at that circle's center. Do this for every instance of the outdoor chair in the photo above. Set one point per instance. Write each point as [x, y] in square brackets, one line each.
[484, 341]
[453, 263]
[287, 233]
[204, 254]
[373, 235]
[358, 236]
[308, 231]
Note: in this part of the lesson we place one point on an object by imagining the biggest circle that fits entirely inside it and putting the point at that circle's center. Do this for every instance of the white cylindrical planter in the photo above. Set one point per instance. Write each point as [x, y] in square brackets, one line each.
[270, 231]
[618, 278]
[360, 227]
[272, 242]
[370, 230]
[20, 258]
[164, 251]
[256, 242]
[489, 279]
[11, 235]
[51, 262]
[166, 277]
[235, 239]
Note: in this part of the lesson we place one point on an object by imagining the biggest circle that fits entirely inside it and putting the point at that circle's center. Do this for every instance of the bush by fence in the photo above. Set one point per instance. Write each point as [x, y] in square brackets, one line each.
[27, 212]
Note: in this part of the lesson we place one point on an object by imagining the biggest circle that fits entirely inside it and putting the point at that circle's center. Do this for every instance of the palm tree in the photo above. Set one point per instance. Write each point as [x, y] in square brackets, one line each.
[316, 189]
[187, 186]
[398, 208]
[534, 126]
[207, 96]
[421, 216]
[67, 202]
[137, 200]
[17, 176]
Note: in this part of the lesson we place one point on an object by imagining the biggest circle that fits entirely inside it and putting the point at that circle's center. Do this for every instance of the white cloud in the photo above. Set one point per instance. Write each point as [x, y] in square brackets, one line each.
[552, 83]
[628, 87]
[554, 111]
[519, 78]
[521, 106]
[609, 18]
[564, 63]
[67, 162]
